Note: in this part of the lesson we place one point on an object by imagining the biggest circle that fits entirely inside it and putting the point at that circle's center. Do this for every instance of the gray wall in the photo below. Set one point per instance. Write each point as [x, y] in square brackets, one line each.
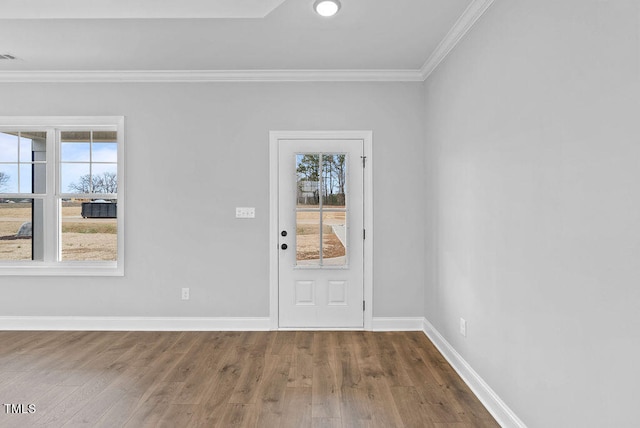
[532, 128]
[202, 150]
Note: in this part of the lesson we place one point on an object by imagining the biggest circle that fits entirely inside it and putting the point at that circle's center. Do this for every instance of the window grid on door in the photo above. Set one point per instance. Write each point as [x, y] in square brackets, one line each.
[321, 210]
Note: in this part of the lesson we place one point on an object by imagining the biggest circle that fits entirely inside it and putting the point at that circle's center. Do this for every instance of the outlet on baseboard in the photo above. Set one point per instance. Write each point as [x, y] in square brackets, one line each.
[185, 294]
[463, 327]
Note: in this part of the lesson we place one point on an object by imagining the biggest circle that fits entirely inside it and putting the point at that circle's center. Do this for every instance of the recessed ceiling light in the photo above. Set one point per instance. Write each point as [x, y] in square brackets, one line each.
[326, 7]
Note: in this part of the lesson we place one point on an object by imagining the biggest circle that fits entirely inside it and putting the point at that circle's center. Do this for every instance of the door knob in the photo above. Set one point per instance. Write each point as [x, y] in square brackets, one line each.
[284, 246]
[283, 233]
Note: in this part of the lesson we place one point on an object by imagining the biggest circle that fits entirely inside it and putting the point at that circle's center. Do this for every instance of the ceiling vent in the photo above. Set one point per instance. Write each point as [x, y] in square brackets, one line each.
[7, 56]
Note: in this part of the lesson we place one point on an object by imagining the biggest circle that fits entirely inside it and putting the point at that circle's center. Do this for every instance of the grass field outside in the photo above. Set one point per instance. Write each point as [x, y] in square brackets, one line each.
[82, 238]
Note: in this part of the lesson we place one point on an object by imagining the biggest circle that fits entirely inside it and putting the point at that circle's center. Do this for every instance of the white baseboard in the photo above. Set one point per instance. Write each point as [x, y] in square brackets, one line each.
[397, 324]
[135, 323]
[498, 409]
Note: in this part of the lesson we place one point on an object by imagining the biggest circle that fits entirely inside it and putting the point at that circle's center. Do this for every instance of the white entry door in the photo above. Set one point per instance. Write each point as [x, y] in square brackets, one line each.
[321, 233]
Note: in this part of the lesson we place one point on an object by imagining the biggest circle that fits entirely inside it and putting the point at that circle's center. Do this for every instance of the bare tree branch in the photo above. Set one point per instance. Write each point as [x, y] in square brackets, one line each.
[4, 179]
[107, 182]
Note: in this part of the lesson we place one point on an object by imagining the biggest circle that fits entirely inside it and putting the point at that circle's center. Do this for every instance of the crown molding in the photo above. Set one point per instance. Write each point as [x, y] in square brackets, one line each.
[466, 21]
[199, 76]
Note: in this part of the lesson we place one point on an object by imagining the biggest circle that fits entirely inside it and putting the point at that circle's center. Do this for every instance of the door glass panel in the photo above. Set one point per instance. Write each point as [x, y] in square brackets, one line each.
[334, 238]
[334, 180]
[308, 238]
[308, 180]
[321, 196]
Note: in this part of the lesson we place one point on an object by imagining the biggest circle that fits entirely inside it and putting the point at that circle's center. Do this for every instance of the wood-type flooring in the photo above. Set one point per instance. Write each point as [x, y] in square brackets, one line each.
[231, 379]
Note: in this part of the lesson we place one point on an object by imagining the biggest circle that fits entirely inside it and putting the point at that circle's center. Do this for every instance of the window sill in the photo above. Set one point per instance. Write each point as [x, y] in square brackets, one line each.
[30, 268]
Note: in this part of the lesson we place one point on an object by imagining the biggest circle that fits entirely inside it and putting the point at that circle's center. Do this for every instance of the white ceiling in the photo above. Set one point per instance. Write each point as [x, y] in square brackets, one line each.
[127, 9]
[365, 35]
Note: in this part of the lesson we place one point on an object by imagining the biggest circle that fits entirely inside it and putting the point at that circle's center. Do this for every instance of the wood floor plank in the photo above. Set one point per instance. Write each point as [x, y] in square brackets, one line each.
[384, 412]
[253, 371]
[458, 398]
[45, 351]
[10, 380]
[113, 350]
[17, 421]
[413, 411]
[16, 342]
[394, 373]
[200, 365]
[87, 352]
[178, 415]
[149, 413]
[283, 343]
[137, 386]
[326, 423]
[20, 393]
[271, 392]
[221, 385]
[153, 383]
[301, 374]
[238, 415]
[186, 366]
[186, 340]
[250, 378]
[438, 404]
[152, 344]
[457, 425]
[246, 379]
[45, 403]
[98, 405]
[297, 409]
[326, 389]
[355, 408]
[414, 364]
[71, 404]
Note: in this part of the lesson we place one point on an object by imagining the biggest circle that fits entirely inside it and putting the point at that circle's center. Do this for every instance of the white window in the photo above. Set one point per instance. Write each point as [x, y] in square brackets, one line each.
[61, 195]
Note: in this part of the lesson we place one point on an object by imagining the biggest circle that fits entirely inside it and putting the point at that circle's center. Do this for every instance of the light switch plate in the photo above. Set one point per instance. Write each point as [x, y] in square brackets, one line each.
[245, 212]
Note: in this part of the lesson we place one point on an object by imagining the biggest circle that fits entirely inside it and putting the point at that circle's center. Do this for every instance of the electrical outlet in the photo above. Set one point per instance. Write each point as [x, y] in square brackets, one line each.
[463, 327]
[185, 294]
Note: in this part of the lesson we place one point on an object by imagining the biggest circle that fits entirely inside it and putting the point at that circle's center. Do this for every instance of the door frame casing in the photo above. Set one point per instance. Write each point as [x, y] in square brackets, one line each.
[367, 139]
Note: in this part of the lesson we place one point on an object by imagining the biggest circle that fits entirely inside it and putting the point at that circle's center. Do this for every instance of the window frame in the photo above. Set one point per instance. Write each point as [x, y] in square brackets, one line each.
[52, 263]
